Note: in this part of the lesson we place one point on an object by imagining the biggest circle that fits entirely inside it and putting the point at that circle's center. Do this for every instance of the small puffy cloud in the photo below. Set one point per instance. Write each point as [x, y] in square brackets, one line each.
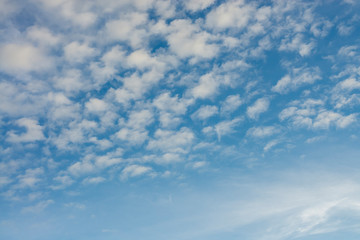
[61, 182]
[76, 52]
[344, 29]
[176, 105]
[261, 105]
[33, 131]
[348, 51]
[226, 127]
[297, 44]
[197, 5]
[140, 119]
[106, 161]
[134, 171]
[230, 14]
[94, 163]
[132, 136]
[169, 120]
[103, 144]
[198, 164]
[17, 100]
[207, 87]
[70, 81]
[311, 114]
[77, 14]
[93, 180]
[205, 112]
[23, 58]
[108, 65]
[134, 131]
[128, 28]
[260, 132]
[95, 105]
[349, 84]
[230, 104]
[169, 158]
[81, 167]
[297, 78]
[42, 35]
[172, 141]
[188, 40]
[325, 118]
[270, 145]
[30, 178]
[142, 60]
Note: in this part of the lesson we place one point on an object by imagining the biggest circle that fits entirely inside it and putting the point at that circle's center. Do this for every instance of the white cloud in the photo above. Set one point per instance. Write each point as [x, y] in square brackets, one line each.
[169, 158]
[92, 163]
[31, 178]
[108, 65]
[176, 105]
[76, 52]
[188, 40]
[172, 141]
[33, 132]
[230, 14]
[311, 114]
[23, 58]
[348, 51]
[344, 29]
[226, 127]
[70, 81]
[197, 5]
[261, 105]
[18, 100]
[297, 44]
[261, 132]
[270, 145]
[230, 104]
[93, 180]
[325, 118]
[297, 78]
[134, 171]
[95, 105]
[205, 112]
[76, 12]
[103, 144]
[349, 84]
[142, 60]
[128, 28]
[42, 35]
[207, 87]
[80, 168]
[62, 181]
[169, 120]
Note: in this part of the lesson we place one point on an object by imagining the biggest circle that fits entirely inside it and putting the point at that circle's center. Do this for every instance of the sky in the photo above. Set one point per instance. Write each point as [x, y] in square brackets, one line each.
[166, 119]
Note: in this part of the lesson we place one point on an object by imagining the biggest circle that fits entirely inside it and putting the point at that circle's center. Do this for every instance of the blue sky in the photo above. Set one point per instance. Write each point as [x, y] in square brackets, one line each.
[164, 119]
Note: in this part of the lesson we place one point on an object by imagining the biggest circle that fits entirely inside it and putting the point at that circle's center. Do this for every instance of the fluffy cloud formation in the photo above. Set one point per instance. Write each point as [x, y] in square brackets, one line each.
[261, 105]
[23, 58]
[97, 94]
[33, 131]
